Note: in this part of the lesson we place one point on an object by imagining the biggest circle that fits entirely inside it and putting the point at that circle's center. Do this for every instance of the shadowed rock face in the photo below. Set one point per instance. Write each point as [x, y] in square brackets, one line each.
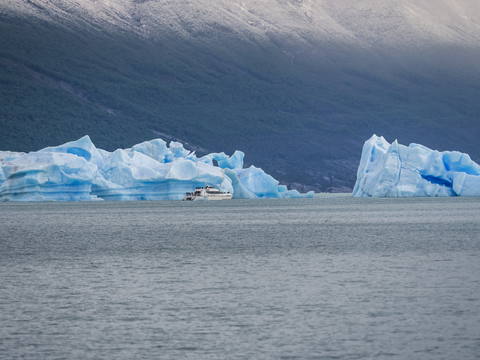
[299, 84]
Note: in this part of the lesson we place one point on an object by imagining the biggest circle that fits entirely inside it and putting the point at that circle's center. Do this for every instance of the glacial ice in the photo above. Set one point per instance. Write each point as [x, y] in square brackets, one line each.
[78, 171]
[47, 176]
[394, 170]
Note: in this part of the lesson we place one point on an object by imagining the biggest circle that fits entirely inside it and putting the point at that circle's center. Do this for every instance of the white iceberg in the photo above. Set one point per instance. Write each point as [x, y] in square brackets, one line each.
[78, 171]
[46, 177]
[393, 170]
[135, 176]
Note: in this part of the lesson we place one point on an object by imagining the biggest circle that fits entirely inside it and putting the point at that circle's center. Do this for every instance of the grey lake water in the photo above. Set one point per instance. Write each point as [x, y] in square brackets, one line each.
[323, 278]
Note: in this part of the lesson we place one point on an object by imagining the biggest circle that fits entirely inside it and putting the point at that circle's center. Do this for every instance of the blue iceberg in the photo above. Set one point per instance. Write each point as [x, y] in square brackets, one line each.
[394, 170]
[78, 171]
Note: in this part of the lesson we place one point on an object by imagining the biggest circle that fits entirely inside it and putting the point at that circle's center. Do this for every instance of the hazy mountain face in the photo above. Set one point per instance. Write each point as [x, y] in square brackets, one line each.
[298, 85]
[367, 23]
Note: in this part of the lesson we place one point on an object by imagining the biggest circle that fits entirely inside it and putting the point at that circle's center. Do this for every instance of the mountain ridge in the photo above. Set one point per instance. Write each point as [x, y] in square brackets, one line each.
[366, 22]
[297, 85]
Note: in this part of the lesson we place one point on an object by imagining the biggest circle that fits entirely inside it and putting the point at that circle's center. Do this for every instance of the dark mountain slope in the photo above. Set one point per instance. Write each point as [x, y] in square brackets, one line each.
[299, 99]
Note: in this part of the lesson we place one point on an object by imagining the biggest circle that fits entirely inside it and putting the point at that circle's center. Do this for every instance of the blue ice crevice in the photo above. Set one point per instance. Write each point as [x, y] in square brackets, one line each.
[78, 171]
[394, 170]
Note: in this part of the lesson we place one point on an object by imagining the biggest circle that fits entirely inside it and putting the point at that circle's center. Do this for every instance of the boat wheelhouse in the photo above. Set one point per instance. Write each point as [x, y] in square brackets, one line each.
[207, 193]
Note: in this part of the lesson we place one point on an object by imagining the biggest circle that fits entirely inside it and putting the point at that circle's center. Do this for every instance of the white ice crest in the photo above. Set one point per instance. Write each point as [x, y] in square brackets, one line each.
[78, 171]
[393, 170]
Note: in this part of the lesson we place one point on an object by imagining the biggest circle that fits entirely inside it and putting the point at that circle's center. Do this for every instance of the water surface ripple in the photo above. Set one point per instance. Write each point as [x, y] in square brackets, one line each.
[322, 278]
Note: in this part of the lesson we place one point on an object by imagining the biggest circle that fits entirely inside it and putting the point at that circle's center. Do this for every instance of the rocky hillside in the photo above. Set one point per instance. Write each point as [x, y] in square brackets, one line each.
[298, 85]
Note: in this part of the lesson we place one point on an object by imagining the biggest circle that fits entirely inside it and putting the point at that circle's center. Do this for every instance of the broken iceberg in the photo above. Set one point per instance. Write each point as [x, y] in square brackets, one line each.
[78, 171]
[394, 170]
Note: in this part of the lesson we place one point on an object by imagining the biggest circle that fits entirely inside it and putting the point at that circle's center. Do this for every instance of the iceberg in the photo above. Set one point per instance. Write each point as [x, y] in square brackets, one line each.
[394, 170]
[47, 176]
[78, 171]
[136, 176]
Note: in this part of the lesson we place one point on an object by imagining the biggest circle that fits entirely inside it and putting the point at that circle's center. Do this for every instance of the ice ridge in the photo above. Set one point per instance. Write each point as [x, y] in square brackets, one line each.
[394, 170]
[78, 171]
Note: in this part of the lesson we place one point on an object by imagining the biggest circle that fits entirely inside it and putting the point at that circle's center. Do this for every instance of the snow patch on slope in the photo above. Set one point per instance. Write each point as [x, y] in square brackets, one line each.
[363, 23]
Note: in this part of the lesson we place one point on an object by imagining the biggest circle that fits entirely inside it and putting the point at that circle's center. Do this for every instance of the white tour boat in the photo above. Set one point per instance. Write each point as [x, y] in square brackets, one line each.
[207, 193]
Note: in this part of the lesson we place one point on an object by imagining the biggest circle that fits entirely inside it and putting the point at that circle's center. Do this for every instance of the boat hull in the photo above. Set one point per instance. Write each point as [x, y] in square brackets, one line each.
[209, 198]
[207, 193]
